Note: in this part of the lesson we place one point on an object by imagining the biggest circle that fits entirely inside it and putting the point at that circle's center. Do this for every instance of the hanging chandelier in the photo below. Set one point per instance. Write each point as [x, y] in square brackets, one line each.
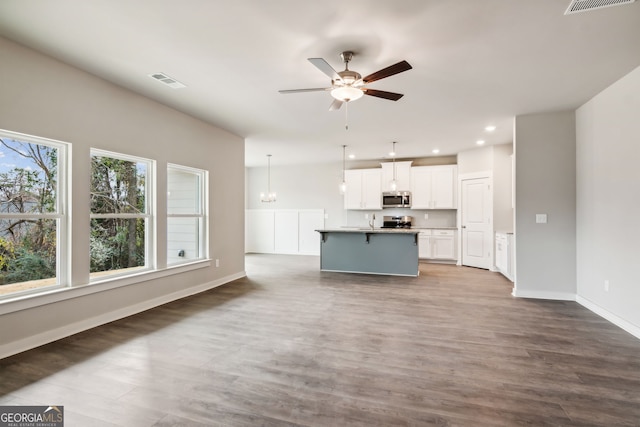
[269, 196]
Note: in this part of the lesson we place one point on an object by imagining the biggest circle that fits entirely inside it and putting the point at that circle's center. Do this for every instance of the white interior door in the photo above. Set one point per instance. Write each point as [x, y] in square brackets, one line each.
[476, 218]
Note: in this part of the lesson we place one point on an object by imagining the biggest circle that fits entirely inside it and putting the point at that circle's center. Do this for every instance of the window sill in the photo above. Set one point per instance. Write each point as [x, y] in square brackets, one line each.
[24, 302]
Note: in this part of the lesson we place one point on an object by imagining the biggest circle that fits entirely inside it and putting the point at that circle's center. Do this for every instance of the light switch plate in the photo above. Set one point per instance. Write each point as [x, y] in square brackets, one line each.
[541, 218]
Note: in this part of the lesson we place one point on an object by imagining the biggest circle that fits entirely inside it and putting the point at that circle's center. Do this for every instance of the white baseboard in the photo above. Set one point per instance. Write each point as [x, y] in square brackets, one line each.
[562, 296]
[618, 321]
[46, 337]
[559, 296]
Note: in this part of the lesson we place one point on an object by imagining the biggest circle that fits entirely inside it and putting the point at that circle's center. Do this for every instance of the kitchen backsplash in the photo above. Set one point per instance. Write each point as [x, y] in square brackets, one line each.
[436, 218]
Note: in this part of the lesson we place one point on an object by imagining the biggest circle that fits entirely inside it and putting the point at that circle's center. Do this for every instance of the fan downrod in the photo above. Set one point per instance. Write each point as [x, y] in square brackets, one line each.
[346, 56]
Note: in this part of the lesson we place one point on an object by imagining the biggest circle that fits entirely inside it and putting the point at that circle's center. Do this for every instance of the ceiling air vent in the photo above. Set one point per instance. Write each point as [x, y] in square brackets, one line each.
[169, 81]
[577, 6]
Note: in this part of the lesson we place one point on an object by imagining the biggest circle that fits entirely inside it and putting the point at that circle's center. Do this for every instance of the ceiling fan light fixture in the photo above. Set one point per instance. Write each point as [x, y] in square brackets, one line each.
[347, 93]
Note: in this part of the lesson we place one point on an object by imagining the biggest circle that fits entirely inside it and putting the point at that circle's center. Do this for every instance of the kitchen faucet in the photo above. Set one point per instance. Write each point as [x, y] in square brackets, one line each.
[373, 220]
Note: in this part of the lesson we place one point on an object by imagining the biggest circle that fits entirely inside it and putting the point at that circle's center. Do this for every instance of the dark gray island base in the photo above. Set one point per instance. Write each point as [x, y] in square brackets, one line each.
[379, 251]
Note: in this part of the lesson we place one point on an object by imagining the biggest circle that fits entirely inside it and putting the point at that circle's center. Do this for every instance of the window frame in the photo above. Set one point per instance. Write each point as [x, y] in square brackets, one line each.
[149, 216]
[202, 216]
[61, 214]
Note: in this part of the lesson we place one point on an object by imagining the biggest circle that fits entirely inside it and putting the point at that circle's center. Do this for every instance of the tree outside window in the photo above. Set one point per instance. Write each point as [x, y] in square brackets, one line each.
[31, 218]
[120, 214]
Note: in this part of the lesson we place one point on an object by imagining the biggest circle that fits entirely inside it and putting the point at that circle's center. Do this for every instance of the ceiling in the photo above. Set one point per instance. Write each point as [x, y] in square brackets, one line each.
[475, 63]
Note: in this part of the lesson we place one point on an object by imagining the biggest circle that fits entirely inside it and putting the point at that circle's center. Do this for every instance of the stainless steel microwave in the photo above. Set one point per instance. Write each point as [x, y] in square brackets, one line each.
[396, 199]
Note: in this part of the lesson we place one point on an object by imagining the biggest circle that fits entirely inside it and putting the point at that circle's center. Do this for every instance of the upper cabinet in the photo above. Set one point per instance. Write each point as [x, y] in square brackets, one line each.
[364, 189]
[434, 187]
[403, 176]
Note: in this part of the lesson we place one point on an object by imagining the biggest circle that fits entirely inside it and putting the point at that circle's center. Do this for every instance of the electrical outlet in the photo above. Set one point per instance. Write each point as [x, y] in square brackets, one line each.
[217, 263]
[426, 216]
[606, 286]
[366, 216]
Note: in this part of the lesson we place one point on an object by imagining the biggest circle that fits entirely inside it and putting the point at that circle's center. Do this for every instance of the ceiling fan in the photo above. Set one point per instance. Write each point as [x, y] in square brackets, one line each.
[349, 85]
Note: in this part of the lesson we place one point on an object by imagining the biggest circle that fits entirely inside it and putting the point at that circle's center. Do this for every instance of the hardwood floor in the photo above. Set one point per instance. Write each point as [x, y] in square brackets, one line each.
[291, 346]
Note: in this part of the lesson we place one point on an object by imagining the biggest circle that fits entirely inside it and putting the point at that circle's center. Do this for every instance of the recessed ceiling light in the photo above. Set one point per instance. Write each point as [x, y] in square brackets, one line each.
[480, 142]
[435, 151]
[352, 156]
[490, 128]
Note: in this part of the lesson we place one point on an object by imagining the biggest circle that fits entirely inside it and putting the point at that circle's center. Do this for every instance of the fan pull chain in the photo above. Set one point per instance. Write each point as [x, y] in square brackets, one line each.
[346, 115]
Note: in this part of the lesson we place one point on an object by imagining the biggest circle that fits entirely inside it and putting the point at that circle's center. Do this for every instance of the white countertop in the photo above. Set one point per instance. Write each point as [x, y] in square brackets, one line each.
[434, 228]
[369, 230]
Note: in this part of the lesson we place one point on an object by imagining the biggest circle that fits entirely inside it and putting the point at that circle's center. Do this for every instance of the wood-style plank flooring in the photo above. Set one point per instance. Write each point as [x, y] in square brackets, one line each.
[292, 346]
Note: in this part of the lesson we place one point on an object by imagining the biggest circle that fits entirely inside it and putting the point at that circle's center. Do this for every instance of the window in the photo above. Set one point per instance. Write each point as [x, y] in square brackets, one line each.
[186, 214]
[122, 238]
[33, 220]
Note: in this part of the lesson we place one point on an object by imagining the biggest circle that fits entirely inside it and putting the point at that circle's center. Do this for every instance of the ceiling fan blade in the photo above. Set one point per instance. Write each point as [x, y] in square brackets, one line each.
[389, 71]
[315, 89]
[324, 66]
[383, 94]
[335, 105]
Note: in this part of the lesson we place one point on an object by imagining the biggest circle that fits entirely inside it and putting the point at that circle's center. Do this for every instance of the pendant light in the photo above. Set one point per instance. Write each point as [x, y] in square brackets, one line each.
[343, 184]
[393, 185]
[269, 197]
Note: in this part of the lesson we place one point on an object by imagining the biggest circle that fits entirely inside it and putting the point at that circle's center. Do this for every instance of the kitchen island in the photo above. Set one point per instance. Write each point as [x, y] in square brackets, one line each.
[387, 251]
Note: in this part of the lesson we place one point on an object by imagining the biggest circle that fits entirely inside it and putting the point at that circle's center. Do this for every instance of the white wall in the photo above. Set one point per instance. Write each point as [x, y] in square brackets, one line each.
[608, 202]
[44, 97]
[545, 184]
[495, 159]
[502, 188]
[476, 160]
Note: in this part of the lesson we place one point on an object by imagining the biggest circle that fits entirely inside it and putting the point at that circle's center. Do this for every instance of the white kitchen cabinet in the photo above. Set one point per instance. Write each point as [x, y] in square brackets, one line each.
[424, 244]
[436, 244]
[308, 238]
[283, 231]
[443, 244]
[364, 190]
[434, 187]
[259, 231]
[403, 176]
[504, 254]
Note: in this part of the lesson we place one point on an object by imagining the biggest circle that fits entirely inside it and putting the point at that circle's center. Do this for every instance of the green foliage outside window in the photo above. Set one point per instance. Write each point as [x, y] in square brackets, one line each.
[117, 190]
[27, 243]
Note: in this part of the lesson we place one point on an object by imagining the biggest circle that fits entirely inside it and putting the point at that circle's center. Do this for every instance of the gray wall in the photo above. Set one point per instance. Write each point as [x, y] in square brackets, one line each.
[608, 201]
[545, 184]
[47, 98]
